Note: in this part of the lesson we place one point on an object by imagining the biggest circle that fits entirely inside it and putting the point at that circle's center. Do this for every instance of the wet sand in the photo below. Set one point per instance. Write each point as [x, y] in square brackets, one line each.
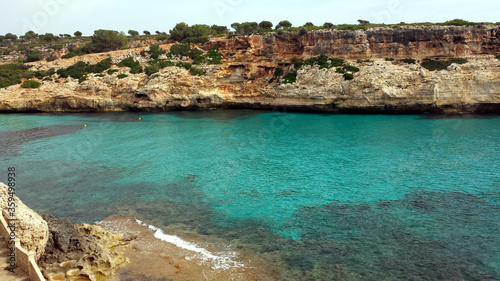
[195, 257]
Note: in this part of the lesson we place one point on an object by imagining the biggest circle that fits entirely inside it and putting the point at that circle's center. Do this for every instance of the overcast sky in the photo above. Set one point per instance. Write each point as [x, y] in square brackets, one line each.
[67, 16]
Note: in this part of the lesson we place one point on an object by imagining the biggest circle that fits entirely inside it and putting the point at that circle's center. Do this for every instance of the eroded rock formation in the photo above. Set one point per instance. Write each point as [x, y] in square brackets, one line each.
[29, 227]
[85, 251]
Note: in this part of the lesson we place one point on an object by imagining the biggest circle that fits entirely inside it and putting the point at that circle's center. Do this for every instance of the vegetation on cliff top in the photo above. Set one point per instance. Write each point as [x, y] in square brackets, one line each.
[324, 62]
[11, 74]
[81, 69]
[33, 47]
[31, 84]
[441, 64]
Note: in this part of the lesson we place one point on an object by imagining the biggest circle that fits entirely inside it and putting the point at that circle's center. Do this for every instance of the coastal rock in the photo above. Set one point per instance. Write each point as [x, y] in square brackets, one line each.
[105, 252]
[31, 229]
[85, 251]
[64, 243]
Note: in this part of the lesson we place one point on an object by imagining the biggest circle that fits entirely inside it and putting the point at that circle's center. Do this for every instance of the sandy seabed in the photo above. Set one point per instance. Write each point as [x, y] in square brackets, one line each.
[154, 255]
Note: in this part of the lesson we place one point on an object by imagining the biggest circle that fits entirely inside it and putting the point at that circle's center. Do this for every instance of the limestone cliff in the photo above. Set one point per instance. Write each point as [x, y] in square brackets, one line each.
[241, 81]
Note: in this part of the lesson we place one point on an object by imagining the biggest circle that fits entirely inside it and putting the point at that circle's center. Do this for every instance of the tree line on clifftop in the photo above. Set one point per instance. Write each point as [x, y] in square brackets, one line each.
[106, 40]
[109, 40]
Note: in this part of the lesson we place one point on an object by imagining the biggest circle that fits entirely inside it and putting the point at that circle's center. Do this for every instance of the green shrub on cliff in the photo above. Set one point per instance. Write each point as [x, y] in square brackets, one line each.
[122, 75]
[77, 71]
[351, 68]
[152, 69]
[11, 74]
[181, 50]
[31, 84]
[155, 52]
[196, 71]
[457, 61]
[213, 56]
[81, 69]
[350, 27]
[185, 65]
[33, 55]
[102, 65]
[166, 63]
[498, 57]
[459, 22]
[290, 77]
[440, 64]
[409, 61]
[72, 54]
[197, 56]
[197, 33]
[135, 66]
[336, 62]
[284, 24]
[323, 62]
[40, 74]
[348, 76]
[278, 72]
[107, 40]
[297, 64]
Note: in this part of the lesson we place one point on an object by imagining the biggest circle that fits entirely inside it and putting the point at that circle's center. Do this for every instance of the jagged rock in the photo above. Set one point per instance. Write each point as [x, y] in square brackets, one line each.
[454, 67]
[422, 73]
[87, 251]
[64, 243]
[30, 228]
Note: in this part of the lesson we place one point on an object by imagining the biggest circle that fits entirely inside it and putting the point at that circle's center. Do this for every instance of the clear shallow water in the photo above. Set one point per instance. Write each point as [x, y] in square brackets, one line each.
[382, 196]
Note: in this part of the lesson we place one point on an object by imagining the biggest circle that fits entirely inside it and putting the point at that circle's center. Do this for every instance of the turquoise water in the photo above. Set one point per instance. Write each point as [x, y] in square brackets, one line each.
[372, 197]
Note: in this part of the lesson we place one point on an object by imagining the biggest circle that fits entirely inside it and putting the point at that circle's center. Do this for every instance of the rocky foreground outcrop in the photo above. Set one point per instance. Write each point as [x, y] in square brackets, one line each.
[82, 250]
[242, 80]
[28, 226]
[63, 250]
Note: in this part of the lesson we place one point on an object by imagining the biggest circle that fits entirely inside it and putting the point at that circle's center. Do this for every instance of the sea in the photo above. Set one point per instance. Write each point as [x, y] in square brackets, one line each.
[321, 196]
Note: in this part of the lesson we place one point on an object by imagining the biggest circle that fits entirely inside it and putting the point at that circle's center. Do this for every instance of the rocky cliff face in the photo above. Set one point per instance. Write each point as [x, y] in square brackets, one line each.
[249, 62]
[29, 227]
[418, 43]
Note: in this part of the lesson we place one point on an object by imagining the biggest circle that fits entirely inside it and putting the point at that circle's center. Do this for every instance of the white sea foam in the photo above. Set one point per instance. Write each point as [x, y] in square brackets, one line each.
[218, 262]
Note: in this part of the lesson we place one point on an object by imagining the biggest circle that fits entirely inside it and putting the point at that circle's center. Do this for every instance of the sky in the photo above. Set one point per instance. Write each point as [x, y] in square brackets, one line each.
[68, 16]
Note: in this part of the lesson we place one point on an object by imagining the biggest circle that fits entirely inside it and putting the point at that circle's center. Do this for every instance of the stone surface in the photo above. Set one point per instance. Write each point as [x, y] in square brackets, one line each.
[30, 228]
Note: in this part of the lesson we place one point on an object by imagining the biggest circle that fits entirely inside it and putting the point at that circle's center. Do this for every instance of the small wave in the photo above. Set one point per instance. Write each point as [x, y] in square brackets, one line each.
[219, 262]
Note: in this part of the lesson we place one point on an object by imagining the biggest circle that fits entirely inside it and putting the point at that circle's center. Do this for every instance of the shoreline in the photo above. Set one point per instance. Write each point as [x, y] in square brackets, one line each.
[493, 109]
[154, 255]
